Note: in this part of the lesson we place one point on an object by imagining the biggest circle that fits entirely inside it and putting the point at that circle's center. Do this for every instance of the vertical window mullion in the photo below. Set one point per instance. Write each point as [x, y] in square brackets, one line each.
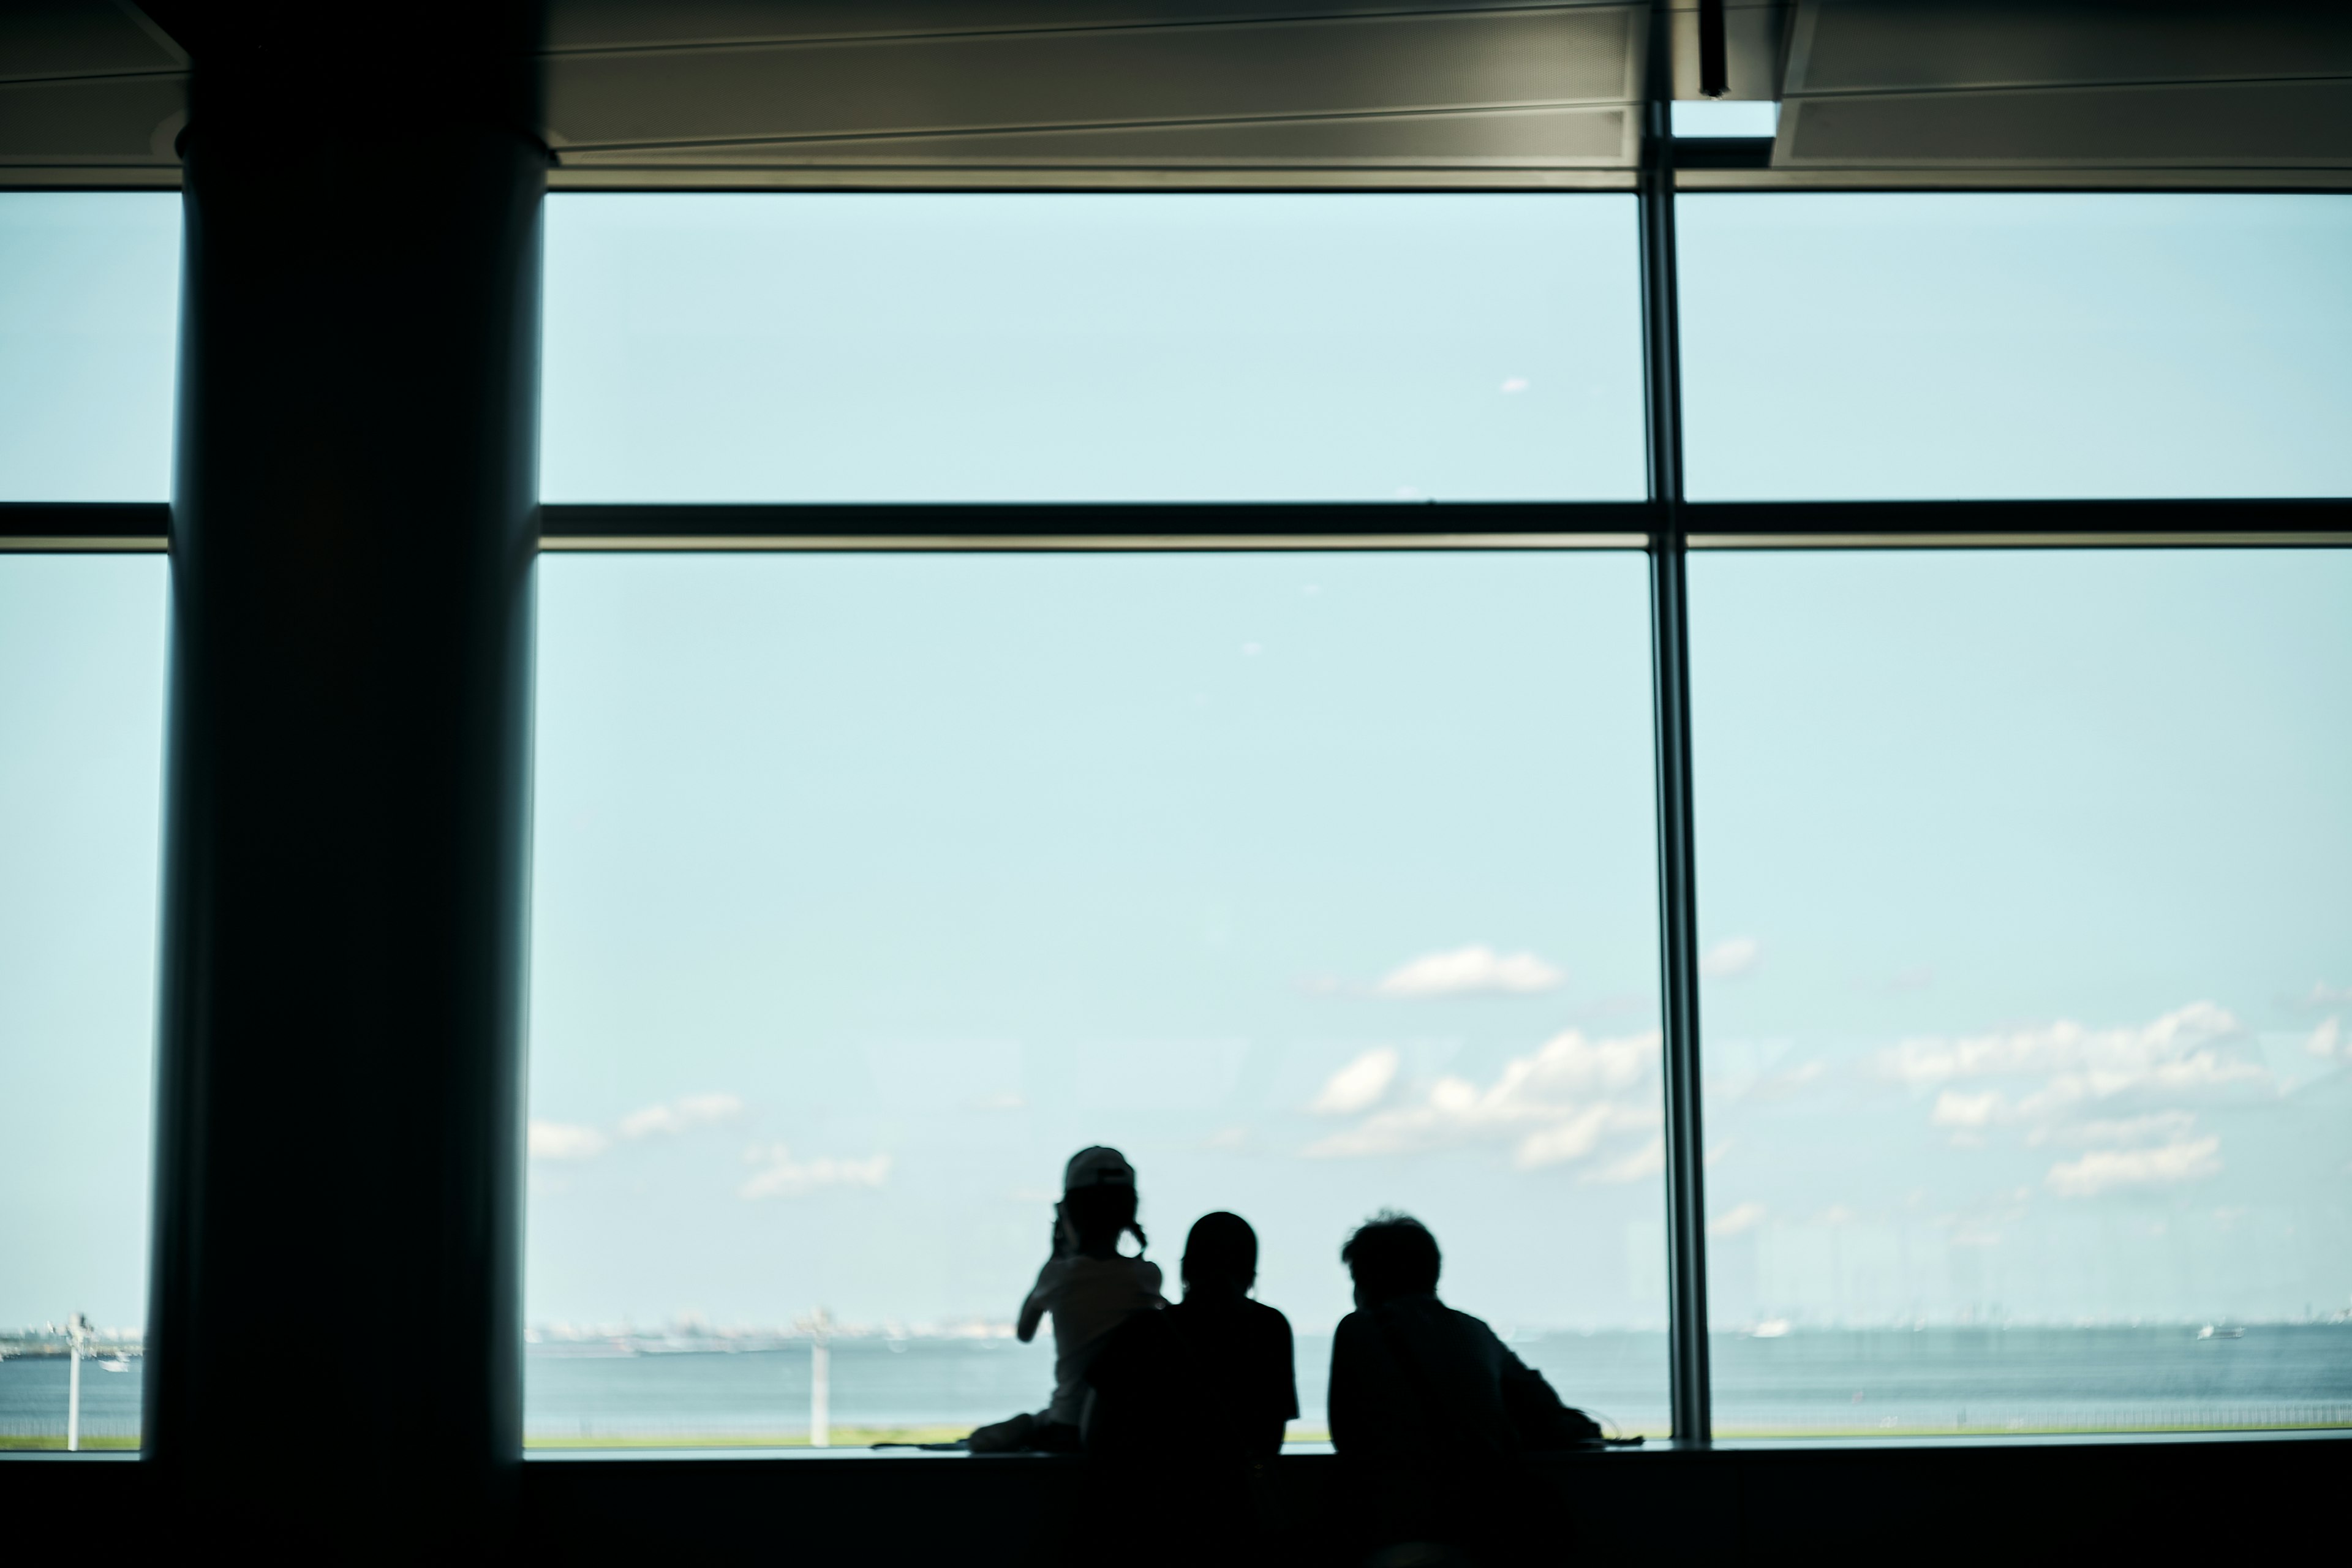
[1677, 878]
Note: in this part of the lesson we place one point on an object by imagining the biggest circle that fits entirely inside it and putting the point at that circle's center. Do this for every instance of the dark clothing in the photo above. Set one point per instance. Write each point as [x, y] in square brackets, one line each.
[1186, 1415]
[1413, 1379]
[1204, 1376]
[1433, 1416]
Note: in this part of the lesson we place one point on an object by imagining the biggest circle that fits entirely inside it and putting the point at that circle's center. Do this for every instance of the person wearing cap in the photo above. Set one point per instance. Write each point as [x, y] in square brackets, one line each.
[1088, 1288]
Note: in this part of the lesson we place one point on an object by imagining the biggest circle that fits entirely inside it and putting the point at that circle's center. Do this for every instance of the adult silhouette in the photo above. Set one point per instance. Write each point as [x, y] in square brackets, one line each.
[1434, 1417]
[1188, 1407]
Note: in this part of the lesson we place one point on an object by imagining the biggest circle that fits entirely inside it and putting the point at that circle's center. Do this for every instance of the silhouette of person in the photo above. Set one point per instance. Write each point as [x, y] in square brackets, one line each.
[1188, 1406]
[1433, 1416]
[1212, 1374]
[1089, 1290]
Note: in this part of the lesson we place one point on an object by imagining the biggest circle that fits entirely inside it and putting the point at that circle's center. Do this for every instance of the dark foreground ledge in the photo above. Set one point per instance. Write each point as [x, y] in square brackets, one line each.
[2022, 1500]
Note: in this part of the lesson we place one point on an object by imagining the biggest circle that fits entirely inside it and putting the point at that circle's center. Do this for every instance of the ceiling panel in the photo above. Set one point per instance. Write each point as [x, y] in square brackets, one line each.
[80, 37]
[1941, 88]
[1895, 46]
[90, 93]
[1022, 92]
[2281, 124]
[580, 25]
[97, 120]
[1230, 74]
[1576, 137]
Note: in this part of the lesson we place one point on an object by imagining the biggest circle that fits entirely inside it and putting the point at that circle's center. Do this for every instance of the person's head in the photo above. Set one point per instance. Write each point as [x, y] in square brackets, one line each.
[1221, 1255]
[1098, 1200]
[1391, 1254]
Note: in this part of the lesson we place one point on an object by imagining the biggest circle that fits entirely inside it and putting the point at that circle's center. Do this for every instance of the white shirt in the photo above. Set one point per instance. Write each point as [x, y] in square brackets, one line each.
[1088, 1297]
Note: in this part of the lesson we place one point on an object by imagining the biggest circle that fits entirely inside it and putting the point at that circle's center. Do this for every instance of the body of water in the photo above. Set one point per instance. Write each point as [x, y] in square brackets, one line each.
[1923, 1381]
[33, 1390]
[1822, 1382]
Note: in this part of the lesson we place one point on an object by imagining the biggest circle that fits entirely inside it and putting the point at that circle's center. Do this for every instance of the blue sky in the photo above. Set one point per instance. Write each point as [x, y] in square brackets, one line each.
[939, 869]
[1979, 346]
[740, 348]
[88, 312]
[81, 768]
[868, 887]
[2044, 859]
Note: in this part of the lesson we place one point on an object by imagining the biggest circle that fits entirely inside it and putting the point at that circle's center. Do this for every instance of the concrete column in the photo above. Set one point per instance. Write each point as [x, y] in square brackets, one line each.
[334, 1349]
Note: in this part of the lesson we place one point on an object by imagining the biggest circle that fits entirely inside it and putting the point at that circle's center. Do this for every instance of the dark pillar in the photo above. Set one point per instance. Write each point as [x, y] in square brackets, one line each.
[335, 1337]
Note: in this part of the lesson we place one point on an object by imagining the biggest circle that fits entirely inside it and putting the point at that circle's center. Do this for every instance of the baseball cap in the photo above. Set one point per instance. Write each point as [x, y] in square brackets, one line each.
[1098, 1167]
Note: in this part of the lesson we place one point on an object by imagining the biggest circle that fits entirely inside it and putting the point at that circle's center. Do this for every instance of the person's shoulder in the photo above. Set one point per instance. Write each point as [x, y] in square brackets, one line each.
[1435, 1307]
[1055, 1276]
[1465, 1322]
[1266, 1320]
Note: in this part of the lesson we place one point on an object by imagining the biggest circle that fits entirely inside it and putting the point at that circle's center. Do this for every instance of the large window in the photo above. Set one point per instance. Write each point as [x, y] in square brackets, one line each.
[2029, 968]
[872, 886]
[81, 699]
[1103, 348]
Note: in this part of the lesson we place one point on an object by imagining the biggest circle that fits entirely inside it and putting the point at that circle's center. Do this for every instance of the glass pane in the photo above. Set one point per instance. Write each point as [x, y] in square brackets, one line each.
[869, 888]
[992, 347]
[81, 739]
[1965, 347]
[2027, 1085]
[89, 303]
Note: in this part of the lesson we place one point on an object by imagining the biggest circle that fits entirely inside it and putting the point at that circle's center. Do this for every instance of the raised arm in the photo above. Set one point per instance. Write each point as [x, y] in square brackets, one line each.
[1040, 1301]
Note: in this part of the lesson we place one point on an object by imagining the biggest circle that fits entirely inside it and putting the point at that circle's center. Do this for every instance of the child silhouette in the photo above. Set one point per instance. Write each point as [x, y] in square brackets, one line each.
[1089, 1290]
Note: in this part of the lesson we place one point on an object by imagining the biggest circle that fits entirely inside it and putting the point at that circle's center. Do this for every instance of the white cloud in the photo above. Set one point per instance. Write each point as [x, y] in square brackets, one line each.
[690, 1111]
[2105, 1170]
[1470, 970]
[1358, 1087]
[1570, 1140]
[1002, 1099]
[1648, 1160]
[1517, 383]
[2179, 1052]
[2124, 1133]
[1554, 1106]
[1954, 1109]
[2326, 996]
[1745, 1217]
[2324, 1039]
[782, 1176]
[2068, 1074]
[1734, 957]
[565, 1141]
